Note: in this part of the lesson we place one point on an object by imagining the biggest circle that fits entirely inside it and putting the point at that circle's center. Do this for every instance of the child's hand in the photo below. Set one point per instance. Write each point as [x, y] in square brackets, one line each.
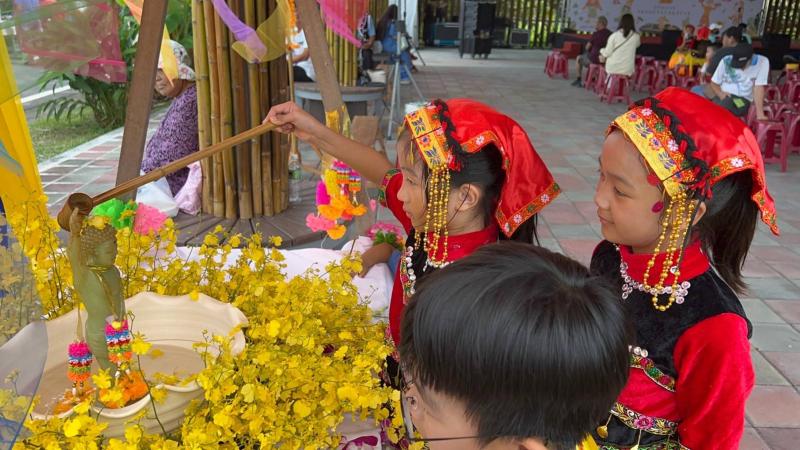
[379, 253]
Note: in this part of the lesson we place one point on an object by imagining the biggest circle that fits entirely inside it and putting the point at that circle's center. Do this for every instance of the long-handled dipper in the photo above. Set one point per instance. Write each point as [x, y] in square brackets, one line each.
[84, 203]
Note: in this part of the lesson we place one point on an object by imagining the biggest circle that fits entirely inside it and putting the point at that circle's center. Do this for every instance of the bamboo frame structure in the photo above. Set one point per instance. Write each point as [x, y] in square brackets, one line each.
[233, 96]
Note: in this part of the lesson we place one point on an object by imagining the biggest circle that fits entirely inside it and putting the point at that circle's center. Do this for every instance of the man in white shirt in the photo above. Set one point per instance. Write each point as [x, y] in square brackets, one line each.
[301, 57]
[739, 81]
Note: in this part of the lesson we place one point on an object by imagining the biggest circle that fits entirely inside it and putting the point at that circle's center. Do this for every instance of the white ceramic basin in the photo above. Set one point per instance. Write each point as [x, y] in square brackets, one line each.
[172, 325]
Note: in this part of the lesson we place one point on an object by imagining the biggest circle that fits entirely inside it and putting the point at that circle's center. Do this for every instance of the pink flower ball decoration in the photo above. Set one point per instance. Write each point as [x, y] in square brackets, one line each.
[319, 223]
[322, 194]
[148, 219]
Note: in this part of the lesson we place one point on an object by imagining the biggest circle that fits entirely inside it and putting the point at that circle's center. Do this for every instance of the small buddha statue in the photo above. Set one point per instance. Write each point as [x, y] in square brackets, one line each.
[92, 250]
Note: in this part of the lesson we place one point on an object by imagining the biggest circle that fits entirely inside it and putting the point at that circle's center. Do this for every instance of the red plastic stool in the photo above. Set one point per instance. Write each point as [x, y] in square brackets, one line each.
[768, 133]
[548, 63]
[600, 83]
[617, 89]
[559, 65]
[645, 78]
[591, 76]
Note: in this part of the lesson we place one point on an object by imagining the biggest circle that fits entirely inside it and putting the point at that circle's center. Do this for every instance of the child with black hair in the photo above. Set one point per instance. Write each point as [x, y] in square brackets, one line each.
[468, 176]
[532, 354]
[681, 185]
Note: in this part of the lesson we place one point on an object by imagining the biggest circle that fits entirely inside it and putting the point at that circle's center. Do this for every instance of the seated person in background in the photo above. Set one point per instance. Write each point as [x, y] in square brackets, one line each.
[176, 136]
[730, 39]
[366, 34]
[513, 347]
[687, 39]
[303, 69]
[711, 49]
[739, 80]
[591, 54]
[619, 54]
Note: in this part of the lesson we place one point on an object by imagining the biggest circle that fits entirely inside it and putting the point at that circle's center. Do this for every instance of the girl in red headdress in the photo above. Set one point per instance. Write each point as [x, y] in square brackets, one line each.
[678, 200]
[467, 176]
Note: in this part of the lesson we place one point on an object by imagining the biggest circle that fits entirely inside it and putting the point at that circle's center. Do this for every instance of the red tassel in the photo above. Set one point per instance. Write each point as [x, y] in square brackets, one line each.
[653, 179]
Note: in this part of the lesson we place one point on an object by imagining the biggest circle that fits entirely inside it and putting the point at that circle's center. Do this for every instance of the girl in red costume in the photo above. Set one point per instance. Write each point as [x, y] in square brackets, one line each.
[681, 187]
[467, 176]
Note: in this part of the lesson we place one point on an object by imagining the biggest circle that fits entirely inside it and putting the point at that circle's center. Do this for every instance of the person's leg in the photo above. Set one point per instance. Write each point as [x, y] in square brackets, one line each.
[583, 61]
[300, 74]
[405, 62]
[699, 90]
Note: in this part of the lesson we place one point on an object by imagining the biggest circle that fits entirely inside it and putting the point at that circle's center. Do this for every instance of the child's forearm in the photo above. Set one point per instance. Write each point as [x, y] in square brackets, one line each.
[378, 253]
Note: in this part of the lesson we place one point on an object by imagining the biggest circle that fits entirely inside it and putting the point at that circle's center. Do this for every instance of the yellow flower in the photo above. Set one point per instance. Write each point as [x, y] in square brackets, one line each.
[72, 427]
[194, 296]
[133, 434]
[275, 241]
[98, 222]
[274, 328]
[159, 394]
[102, 379]
[301, 409]
[139, 345]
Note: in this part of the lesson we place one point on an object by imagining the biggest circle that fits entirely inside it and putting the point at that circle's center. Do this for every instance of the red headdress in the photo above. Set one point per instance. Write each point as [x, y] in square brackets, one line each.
[445, 131]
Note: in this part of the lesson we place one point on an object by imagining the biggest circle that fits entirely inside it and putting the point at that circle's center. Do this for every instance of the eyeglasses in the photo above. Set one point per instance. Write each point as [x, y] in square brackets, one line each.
[406, 409]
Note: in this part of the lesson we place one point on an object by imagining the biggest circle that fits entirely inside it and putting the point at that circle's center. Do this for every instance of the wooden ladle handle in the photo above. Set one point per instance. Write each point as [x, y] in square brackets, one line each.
[85, 203]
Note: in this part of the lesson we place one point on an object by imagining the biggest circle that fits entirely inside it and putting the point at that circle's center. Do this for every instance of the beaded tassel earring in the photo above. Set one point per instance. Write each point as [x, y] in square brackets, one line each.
[118, 340]
[436, 216]
[676, 222]
[79, 359]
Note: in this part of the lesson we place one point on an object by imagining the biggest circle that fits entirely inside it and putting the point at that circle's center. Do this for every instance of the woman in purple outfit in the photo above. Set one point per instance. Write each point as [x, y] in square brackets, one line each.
[176, 137]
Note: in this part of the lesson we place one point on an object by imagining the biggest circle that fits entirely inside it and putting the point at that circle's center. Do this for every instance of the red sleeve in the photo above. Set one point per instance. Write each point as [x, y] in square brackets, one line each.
[388, 196]
[715, 377]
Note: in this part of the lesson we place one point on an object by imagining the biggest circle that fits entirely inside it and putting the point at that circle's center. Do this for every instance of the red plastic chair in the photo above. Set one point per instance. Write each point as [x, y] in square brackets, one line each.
[571, 50]
[617, 89]
[770, 133]
[772, 93]
[791, 92]
[645, 78]
[666, 78]
[591, 76]
[688, 82]
[792, 123]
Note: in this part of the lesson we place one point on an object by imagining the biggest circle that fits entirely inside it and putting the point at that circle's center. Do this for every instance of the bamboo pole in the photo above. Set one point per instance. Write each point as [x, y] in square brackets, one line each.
[218, 179]
[266, 143]
[283, 95]
[275, 161]
[226, 114]
[203, 97]
[255, 117]
[241, 122]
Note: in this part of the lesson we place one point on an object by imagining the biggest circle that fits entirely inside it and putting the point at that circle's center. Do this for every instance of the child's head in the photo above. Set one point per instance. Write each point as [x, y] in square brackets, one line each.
[688, 30]
[665, 173]
[466, 166]
[512, 346]
[710, 50]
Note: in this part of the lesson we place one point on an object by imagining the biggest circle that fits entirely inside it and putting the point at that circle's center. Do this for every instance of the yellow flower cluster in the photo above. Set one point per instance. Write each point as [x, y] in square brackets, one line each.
[312, 356]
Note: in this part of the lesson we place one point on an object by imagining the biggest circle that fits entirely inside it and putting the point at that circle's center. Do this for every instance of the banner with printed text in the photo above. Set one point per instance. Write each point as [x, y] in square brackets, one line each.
[654, 15]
